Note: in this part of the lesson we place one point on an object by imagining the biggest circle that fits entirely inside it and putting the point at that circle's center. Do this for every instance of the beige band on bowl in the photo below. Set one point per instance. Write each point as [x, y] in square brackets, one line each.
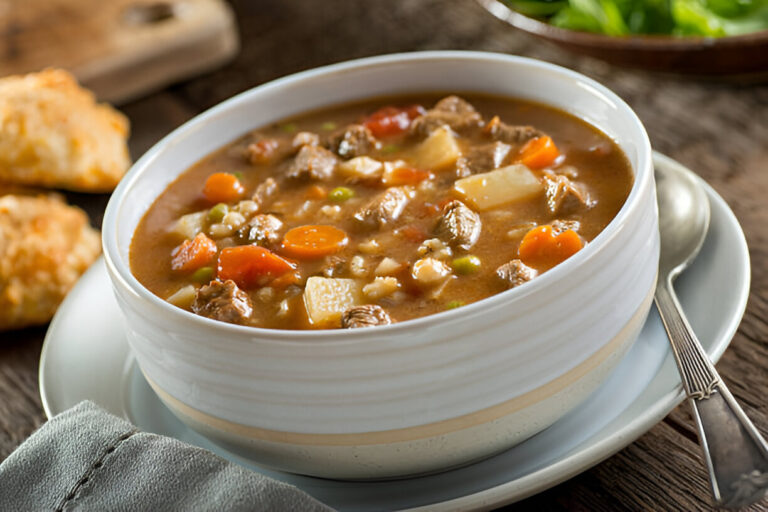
[420, 431]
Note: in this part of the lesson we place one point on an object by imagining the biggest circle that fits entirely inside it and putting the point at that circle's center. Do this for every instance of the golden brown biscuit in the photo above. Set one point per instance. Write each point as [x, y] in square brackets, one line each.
[45, 245]
[54, 134]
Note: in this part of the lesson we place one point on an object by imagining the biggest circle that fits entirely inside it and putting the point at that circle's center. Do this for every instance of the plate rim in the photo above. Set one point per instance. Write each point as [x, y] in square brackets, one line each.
[576, 462]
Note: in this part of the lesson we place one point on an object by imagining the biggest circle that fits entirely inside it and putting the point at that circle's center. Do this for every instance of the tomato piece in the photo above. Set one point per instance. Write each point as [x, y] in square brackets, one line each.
[413, 234]
[222, 187]
[388, 121]
[193, 254]
[250, 266]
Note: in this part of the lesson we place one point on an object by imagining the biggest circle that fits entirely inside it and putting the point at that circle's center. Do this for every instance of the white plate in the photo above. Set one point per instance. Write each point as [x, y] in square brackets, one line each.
[85, 356]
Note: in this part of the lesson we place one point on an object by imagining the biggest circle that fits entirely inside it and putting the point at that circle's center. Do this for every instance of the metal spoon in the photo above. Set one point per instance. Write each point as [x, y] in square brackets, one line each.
[736, 453]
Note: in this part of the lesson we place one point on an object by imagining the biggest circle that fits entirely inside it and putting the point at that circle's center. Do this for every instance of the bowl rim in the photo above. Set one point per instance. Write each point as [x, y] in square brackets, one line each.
[121, 273]
[645, 42]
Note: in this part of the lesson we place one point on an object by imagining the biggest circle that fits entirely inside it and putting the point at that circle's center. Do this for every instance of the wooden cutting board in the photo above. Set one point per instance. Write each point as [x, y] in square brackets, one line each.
[121, 49]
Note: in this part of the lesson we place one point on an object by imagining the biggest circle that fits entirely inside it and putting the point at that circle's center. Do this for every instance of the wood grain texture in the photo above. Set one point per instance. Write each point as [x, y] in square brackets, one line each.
[719, 130]
[120, 48]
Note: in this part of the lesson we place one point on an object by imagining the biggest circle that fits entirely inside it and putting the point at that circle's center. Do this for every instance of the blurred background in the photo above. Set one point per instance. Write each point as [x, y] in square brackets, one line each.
[164, 62]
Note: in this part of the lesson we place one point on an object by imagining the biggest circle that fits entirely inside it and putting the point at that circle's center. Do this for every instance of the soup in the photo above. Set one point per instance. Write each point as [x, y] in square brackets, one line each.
[379, 212]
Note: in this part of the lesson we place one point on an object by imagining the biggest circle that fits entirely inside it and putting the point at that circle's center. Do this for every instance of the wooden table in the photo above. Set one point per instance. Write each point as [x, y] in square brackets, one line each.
[719, 130]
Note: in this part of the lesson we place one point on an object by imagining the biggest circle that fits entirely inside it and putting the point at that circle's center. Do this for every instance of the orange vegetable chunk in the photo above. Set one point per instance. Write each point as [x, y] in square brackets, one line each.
[541, 248]
[392, 120]
[313, 241]
[193, 254]
[222, 187]
[250, 266]
[405, 176]
[539, 152]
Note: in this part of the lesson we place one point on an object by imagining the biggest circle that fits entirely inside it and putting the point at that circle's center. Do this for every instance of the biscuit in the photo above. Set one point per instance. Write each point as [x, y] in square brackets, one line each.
[54, 134]
[45, 245]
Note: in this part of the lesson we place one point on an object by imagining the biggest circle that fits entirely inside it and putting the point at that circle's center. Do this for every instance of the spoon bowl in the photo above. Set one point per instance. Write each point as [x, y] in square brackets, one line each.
[735, 452]
[683, 220]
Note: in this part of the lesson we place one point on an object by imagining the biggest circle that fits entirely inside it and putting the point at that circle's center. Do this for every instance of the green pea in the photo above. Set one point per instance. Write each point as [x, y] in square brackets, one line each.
[341, 194]
[454, 304]
[203, 275]
[217, 213]
[238, 175]
[330, 125]
[465, 265]
[288, 127]
[390, 148]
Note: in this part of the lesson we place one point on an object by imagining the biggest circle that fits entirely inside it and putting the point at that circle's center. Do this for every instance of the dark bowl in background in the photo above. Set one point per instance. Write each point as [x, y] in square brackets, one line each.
[744, 56]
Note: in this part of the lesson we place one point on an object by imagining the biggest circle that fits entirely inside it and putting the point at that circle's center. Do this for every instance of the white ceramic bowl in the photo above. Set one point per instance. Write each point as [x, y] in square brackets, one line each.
[421, 395]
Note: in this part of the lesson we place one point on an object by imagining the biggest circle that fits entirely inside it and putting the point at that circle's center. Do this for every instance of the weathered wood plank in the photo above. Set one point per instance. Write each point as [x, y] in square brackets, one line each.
[717, 129]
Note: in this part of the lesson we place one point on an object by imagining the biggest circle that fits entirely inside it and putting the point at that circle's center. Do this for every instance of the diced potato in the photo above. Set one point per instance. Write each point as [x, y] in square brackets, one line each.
[387, 267]
[438, 151]
[492, 189]
[361, 167]
[183, 297]
[188, 226]
[380, 287]
[326, 298]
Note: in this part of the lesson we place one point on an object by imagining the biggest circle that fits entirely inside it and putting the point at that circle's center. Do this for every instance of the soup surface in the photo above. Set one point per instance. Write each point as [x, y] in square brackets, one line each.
[380, 211]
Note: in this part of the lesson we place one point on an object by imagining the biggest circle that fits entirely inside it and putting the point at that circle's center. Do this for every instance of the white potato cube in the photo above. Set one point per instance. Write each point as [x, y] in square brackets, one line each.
[381, 287]
[495, 188]
[183, 297]
[387, 267]
[188, 226]
[361, 167]
[326, 298]
[438, 151]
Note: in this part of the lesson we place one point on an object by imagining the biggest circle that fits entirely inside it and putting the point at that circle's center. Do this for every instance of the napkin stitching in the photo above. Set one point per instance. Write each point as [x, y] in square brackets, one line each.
[97, 464]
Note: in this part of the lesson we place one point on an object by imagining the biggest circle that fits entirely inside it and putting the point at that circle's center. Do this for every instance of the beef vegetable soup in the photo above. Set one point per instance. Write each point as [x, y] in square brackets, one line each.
[378, 212]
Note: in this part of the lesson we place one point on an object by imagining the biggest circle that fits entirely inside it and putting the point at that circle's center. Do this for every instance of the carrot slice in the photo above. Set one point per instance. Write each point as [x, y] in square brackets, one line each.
[542, 248]
[193, 254]
[250, 266]
[316, 192]
[539, 152]
[405, 176]
[222, 187]
[314, 241]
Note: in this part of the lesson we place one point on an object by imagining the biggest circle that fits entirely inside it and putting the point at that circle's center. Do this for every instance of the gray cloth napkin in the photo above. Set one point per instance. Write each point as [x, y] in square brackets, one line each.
[88, 459]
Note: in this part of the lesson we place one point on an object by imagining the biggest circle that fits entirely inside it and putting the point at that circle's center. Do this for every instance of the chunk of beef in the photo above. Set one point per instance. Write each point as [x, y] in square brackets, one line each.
[451, 111]
[305, 139]
[482, 158]
[515, 273]
[511, 134]
[563, 195]
[314, 162]
[459, 226]
[261, 229]
[334, 266]
[264, 192]
[368, 315]
[264, 152]
[558, 226]
[223, 301]
[383, 209]
[355, 140]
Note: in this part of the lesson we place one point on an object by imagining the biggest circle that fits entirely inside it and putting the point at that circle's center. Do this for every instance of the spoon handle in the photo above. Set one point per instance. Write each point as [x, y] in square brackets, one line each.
[736, 453]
